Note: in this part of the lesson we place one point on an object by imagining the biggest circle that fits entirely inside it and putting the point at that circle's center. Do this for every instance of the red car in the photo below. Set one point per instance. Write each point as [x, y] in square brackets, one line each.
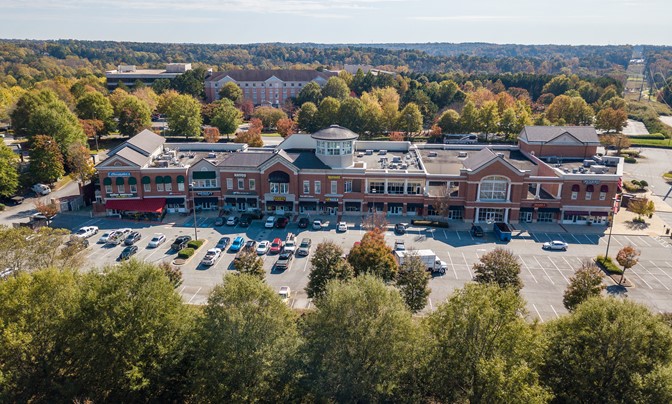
[281, 223]
[276, 246]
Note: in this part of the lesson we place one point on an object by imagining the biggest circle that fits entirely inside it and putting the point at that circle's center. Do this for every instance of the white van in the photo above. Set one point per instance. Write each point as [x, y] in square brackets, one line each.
[41, 189]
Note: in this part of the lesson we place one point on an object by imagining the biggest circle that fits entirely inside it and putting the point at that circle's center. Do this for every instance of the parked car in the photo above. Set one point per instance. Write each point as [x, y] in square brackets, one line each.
[317, 224]
[180, 243]
[41, 189]
[284, 260]
[74, 240]
[245, 220]
[13, 201]
[115, 237]
[276, 246]
[476, 231]
[250, 245]
[211, 256]
[128, 252]
[555, 245]
[342, 227]
[304, 247]
[399, 245]
[132, 238]
[103, 239]
[270, 222]
[86, 231]
[223, 243]
[263, 247]
[290, 242]
[281, 223]
[156, 240]
[237, 244]
[219, 221]
[303, 222]
[285, 293]
[400, 228]
[232, 221]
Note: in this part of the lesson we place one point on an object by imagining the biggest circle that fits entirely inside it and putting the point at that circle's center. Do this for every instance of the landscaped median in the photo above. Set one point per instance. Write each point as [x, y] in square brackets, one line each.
[185, 254]
[612, 269]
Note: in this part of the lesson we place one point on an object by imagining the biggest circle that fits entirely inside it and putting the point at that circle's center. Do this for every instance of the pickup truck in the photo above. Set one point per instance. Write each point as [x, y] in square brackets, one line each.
[290, 243]
[431, 260]
[502, 231]
[284, 259]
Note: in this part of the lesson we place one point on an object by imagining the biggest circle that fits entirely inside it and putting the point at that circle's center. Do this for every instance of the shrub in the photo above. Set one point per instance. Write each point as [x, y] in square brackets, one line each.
[185, 253]
[2, 207]
[631, 187]
[630, 152]
[608, 265]
[195, 244]
[630, 160]
[652, 136]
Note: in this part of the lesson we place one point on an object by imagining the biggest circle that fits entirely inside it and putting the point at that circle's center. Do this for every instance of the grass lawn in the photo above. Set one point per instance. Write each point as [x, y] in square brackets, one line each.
[666, 143]
[274, 134]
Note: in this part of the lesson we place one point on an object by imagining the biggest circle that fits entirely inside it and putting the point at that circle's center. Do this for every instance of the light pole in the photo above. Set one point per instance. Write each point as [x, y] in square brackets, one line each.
[193, 202]
[611, 224]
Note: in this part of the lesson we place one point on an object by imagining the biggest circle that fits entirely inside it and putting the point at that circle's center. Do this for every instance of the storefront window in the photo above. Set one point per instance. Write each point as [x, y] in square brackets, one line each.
[121, 188]
[545, 217]
[395, 188]
[253, 185]
[318, 187]
[306, 187]
[108, 189]
[414, 188]
[493, 188]
[279, 188]
[348, 186]
[205, 184]
[376, 187]
[490, 215]
[133, 188]
[334, 187]
[241, 183]
[229, 183]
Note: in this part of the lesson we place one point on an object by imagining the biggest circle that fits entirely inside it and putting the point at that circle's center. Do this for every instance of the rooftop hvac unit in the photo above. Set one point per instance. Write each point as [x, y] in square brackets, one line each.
[382, 152]
[369, 152]
[588, 163]
[212, 155]
[597, 169]
[162, 163]
[430, 154]
[462, 154]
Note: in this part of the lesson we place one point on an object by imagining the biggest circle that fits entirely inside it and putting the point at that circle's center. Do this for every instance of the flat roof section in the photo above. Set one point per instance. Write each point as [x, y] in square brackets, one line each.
[389, 161]
[450, 162]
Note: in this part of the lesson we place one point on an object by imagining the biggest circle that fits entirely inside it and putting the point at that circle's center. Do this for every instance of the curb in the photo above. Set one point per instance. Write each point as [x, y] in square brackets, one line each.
[205, 241]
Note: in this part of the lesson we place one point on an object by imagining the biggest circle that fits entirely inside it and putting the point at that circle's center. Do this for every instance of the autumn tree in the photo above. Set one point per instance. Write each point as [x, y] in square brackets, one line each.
[269, 116]
[488, 118]
[148, 96]
[95, 106]
[627, 257]
[327, 264]
[92, 127]
[396, 136]
[79, 162]
[27, 250]
[500, 267]
[134, 116]
[586, 283]
[244, 343]
[231, 91]
[45, 206]
[412, 281]
[248, 262]
[618, 142]
[608, 350]
[610, 119]
[642, 207]
[286, 127]
[211, 134]
[568, 110]
[226, 117]
[481, 349]
[46, 160]
[9, 174]
[255, 126]
[373, 256]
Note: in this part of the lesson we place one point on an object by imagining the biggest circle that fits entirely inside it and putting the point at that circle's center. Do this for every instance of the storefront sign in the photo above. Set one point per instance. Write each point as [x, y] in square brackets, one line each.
[538, 205]
[331, 199]
[204, 193]
[240, 175]
[305, 196]
[334, 177]
[591, 182]
[241, 193]
[279, 198]
[121, 195]
[119, 174]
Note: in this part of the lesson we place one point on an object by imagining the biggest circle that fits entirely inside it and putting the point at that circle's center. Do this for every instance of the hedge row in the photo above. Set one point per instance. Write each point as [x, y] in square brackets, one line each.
[195, 244]
[609, 265]
[630, 160]
[185, 253]
[652, 136]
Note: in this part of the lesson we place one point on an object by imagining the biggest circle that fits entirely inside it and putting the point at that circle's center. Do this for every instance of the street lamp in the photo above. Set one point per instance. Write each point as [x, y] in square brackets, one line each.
[193, 202]
[611, 223]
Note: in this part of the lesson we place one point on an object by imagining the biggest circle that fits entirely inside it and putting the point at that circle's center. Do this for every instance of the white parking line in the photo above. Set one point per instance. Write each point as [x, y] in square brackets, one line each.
[590, 241]
[648, 272]
[642, 279]
[445, 235]
[530, 271]
[192, 298]
[430, 304]
[534, 237]
[568, 263]
[306, 264]
[661, 269]
[615, 239]
[182, 290]
[642, 239]
[538, 314]
[556, 313]
[467, 265]
[458, 235]
[544, 269]
[556, 267]
[577, 240]
[630, 241]
[451, 264]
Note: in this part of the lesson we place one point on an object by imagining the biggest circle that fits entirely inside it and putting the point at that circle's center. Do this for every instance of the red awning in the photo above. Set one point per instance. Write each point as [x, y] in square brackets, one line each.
[137, 205]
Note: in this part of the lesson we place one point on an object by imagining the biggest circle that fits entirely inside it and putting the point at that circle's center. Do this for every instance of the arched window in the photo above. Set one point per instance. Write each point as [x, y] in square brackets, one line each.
[575, 191]
[604, 189]
[589, 192]
[493, 188]
[168, 183]
[279, 182]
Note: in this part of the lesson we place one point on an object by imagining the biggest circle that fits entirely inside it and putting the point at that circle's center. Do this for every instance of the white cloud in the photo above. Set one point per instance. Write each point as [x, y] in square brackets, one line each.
[469, 18]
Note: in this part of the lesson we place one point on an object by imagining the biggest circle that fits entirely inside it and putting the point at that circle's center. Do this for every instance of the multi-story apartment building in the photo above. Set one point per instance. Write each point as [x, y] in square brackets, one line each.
[265, 87]
[553, 175]
[129, 74]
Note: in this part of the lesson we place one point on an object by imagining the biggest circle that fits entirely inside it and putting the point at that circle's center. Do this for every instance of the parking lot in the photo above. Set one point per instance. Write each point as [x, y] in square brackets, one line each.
[545, 273]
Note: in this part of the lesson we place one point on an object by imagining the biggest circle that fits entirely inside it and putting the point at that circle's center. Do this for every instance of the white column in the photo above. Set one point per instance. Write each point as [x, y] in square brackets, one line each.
[506, 215]
[385, 191]
[559, 195]
[405, 185]
[476, 215]
[508, 193]
[536, 194]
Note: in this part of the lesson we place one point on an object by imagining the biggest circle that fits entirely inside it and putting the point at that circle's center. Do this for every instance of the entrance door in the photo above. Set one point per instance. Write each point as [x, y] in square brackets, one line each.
[242, 206]
[526, 217]
[396, 210]
[332, 211]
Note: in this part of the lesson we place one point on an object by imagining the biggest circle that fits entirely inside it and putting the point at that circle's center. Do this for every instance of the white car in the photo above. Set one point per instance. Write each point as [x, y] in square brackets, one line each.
[156, 240]
[41, 189]
[270, 222]
[86, 232]
[263, 246]
[106, 236]
[232, 221]
[285, 293]
[342, 226]
[211, 256]
[555, 245]
[317, 224]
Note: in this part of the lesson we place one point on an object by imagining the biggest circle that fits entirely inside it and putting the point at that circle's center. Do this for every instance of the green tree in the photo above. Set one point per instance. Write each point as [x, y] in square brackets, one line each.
[190, 83]
[160, 86]
[351, 114]
[412, 281]
[488, 118]
[608, 350]
[34, 309]
[46, 160]
[558, 85]
[345, 360]
[586, 283]
[611, 119]
[307, 118]
[57, 121]
[469, 118]
[327, 113]
[327, 264]
[244, 343]
[337, 88]
[134, 116]
[231, 91]
[508, 123]
[482, 350]
[269, 116]
[311, 92]
[500, 267]
[410, 119]
[26, 250]
[79, 162]
[128, 338]
[183, 114]
[9, 174]
[248, 262]
[568, 110]
[94, 105]
[449, 122]
[226, 117]
[26, 106]
[373, 256]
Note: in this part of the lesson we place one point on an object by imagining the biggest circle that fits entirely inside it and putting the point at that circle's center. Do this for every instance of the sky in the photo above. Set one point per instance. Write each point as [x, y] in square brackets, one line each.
[574, 22]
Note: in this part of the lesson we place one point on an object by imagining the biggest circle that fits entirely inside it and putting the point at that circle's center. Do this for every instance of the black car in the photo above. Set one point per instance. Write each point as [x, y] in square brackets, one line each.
[303, 222]
[476, 231]
[223, 243]
[128, 252]
[245, 220]
[180, 243]
[281, 223]
[132, 238]
[400, 228]
[220, 221]
[250, 245]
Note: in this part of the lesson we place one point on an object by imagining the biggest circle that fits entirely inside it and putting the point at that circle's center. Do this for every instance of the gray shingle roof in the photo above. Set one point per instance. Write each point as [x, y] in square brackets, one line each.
[306, 160]
[245, 159]
[147, 141]
[476, 160]
[334, 132]
[543, 134]
[132, 156]
[263, 75]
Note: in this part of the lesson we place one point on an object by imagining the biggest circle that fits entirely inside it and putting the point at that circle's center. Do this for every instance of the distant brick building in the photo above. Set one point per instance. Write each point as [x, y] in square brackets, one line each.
[265, 87]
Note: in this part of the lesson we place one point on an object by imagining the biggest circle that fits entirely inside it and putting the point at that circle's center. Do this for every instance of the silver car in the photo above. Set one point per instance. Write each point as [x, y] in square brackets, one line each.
[555, 245]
